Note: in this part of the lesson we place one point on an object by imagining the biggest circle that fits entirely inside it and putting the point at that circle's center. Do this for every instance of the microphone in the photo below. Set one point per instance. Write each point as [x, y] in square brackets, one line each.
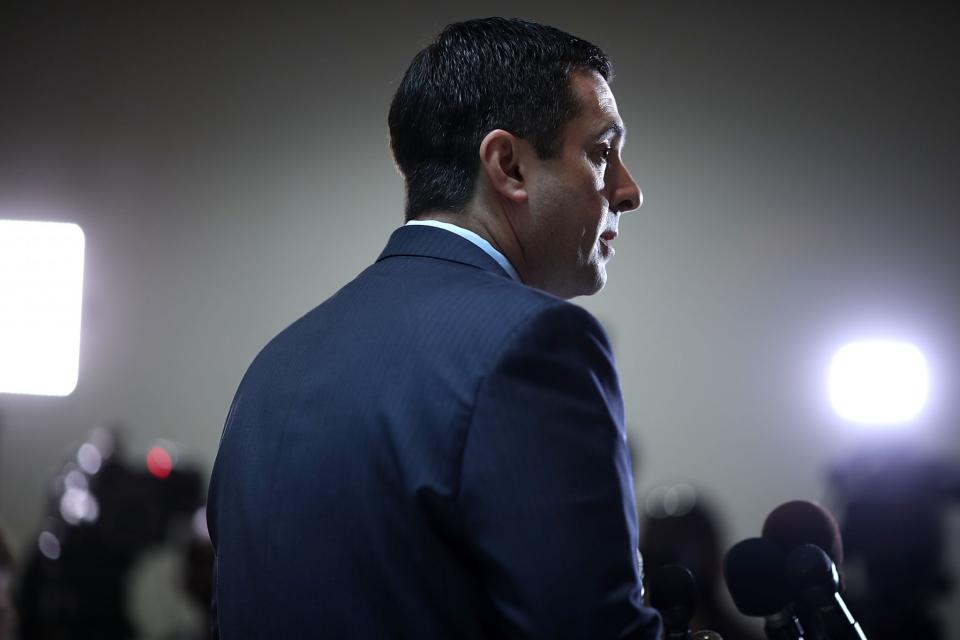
[673, 593]
[754, 571]
[815, 582]
[801, 522]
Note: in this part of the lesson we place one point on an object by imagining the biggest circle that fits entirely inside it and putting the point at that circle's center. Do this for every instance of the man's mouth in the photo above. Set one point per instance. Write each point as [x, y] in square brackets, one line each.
[605, 239]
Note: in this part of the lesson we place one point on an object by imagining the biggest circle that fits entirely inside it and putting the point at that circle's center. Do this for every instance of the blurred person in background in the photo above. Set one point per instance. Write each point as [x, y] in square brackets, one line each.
[690, 536]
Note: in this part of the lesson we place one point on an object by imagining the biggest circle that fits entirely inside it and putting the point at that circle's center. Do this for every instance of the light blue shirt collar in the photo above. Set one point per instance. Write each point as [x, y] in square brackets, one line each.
[466, 234]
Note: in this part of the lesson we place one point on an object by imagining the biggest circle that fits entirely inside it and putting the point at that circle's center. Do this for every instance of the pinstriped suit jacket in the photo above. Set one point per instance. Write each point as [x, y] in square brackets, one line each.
[435, 452]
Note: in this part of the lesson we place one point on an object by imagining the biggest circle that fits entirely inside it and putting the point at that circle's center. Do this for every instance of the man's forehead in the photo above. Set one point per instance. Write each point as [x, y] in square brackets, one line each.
[598, 104]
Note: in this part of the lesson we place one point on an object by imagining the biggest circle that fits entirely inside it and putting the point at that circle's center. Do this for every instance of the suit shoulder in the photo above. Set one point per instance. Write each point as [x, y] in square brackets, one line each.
[504, 292]
[553, 314]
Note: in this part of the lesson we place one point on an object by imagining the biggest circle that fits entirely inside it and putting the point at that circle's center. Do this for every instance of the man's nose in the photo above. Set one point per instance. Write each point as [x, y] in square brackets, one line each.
[627, 195]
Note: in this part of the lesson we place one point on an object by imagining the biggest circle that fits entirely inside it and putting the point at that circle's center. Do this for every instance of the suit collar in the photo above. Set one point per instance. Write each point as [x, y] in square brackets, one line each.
[431, 242]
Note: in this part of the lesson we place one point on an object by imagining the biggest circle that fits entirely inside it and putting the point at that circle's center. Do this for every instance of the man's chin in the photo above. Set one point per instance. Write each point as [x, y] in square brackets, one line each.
[600, 282]
[593, 285]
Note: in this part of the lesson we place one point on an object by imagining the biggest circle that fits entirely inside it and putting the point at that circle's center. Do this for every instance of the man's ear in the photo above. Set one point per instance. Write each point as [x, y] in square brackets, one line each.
[502, 161]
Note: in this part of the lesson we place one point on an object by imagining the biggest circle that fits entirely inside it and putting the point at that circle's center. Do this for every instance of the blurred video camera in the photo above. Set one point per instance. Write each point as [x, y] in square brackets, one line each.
[102, 514]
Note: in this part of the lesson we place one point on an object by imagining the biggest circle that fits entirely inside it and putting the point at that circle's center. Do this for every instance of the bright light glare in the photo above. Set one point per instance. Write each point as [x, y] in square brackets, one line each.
[671, 501]
[878, 382]
[41, 290]
[49, 545]
[78, 505]
[159, 462]
[89, 458]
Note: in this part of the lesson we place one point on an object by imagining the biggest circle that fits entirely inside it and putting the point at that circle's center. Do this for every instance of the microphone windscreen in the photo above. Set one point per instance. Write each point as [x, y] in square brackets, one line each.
[812, 575]
[672, 585]
[801, 522]
[753, 569]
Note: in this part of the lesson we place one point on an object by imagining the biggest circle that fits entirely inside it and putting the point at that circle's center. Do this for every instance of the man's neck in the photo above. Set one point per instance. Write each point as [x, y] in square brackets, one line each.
[493, 228]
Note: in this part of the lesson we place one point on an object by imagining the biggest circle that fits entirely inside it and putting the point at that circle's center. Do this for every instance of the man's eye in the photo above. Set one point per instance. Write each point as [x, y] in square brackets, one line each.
[603, 154]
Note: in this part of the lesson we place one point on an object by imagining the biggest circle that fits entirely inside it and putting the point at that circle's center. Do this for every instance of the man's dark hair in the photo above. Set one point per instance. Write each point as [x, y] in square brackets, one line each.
[477, 76]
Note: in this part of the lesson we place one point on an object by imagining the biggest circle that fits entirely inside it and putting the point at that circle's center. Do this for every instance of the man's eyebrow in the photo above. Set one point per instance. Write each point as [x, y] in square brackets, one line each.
[613, 130]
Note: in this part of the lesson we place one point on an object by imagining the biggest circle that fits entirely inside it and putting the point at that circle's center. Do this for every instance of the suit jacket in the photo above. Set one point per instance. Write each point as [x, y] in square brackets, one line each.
[437, 451]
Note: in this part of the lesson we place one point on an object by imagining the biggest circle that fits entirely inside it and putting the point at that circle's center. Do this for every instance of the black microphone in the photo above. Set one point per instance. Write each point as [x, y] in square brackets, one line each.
[800, 522]
[673, 593]
[753, 569]
[815, 582]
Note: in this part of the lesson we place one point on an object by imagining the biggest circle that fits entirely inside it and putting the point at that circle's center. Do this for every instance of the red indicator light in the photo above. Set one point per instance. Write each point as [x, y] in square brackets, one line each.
[159, 462]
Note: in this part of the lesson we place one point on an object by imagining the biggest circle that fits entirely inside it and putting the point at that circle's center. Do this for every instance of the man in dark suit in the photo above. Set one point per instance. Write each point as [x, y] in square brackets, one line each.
[438, 450]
